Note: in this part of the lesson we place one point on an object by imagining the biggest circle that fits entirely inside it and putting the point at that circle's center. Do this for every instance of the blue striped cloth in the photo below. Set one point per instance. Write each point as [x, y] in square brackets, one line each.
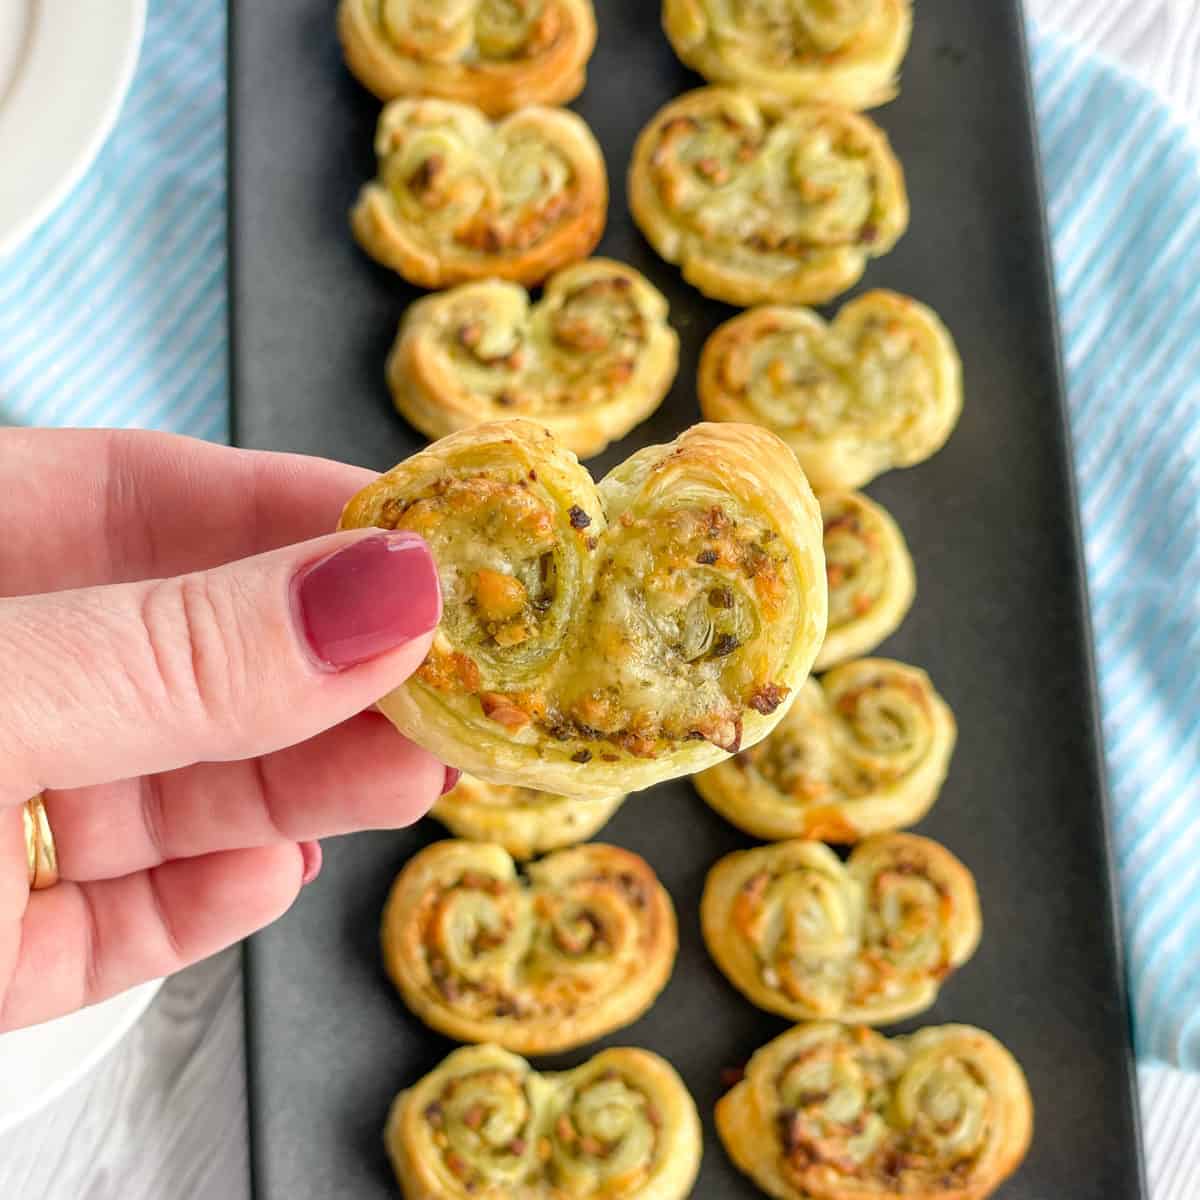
[114, 314]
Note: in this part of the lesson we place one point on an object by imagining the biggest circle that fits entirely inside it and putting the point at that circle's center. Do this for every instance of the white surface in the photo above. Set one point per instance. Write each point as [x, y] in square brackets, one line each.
[65, 66]
[164, 1117]
[37, 1065]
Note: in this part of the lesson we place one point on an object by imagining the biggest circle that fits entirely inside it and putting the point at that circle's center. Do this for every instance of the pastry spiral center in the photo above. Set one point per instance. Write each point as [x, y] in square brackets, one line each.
[605, 1138]
[480, 1121]
[854, 565]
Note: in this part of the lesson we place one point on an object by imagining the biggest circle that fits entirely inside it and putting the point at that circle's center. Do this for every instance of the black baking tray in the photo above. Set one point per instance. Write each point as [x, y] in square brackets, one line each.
[1000, 621]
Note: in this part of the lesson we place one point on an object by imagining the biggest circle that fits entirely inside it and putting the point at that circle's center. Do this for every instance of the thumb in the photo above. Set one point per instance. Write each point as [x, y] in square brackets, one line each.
[111, 682]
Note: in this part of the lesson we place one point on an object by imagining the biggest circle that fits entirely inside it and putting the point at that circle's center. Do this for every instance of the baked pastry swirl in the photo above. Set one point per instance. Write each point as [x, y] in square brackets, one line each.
[485, 1126]
[762, 200]
[801, 934]
[590, 360]
[579, 948]
[596, 640]
[863, 750]
[879, 387]
[870, 572]
[495, 54]
[521, 820]
[831, 1112]
[843, 52]
[459, 197]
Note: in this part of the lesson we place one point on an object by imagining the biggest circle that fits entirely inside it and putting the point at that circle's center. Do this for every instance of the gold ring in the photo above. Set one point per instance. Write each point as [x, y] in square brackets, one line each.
[39, 846]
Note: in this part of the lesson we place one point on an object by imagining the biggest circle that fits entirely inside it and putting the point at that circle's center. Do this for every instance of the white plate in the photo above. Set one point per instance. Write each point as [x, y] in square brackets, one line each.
[37, 1065]
[65, 66]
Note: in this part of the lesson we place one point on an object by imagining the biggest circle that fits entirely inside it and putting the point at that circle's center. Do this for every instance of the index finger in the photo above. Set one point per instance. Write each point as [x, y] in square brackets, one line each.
[85, 507]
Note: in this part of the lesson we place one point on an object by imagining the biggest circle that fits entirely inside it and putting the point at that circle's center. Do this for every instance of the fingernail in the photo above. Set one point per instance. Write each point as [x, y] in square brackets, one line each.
[453, 774]
[368, 598]
[310, 852]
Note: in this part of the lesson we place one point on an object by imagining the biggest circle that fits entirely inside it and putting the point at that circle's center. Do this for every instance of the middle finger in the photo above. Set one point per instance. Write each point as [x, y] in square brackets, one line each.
[359, 775]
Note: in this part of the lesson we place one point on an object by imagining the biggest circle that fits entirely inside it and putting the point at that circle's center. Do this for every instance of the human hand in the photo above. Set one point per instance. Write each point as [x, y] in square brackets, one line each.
[183, 676]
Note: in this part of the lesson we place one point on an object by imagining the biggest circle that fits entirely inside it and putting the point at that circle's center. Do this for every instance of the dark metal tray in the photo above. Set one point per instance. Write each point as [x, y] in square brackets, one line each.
[1000, 620]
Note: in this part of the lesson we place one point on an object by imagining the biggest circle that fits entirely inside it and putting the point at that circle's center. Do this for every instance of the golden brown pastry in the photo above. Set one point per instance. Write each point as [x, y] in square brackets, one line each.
[843, 52]
[523, 821]
[495, 54]
[596, 640]
[589, 361]
[485, 1126]
[459, 197]
[879, 387]
[870, 574]
[762, 200]
[801, 934]
[863, 750]
[835, 1112]
[578, 948]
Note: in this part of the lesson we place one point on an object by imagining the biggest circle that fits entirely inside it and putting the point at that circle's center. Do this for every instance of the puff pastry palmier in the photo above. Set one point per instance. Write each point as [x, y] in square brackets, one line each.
[801, 934]
[835, 1112]
[459, 197]
[762, 200]
[843, 52]
[870, 572]
[863, 750]
[578, 948]
[590, 360]
[879, 387]
[596, 640]
[485, 1126]
[521, 820]
[495, 54]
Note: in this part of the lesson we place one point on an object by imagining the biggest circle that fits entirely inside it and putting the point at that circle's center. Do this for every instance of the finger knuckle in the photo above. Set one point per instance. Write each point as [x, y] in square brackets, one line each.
[199, 652]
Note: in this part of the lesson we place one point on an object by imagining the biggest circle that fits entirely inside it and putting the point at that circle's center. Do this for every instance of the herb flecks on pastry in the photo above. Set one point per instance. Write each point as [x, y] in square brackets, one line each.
[521, 820]
[579, 947]
[845, 52]
[863, 750]
[496, 54]
[590, 360]
[871, 578]
[597, 639]
[484, 1123]
[801, 934]
[459, 197]
[763, 200]
[878, 387]
[827, 1112]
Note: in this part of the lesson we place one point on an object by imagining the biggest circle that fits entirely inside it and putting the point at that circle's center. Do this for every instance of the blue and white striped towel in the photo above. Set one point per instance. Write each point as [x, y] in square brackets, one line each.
[114, 314]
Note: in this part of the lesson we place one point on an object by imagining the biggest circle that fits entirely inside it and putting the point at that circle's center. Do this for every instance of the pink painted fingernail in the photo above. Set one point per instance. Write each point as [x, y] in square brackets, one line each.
[453, 775]
[310, 852]
[368, 598]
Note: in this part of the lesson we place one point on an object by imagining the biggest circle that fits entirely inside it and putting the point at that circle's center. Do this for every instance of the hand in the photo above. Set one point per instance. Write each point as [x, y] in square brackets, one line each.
[184, 678]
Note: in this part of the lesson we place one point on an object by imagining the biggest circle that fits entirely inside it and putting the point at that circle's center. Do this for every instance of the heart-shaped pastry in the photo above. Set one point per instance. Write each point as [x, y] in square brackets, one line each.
[870, 572]
[495, 54]
[763, 200]
[521, 820]
[460, 198]
[801, 934]
[879, 387]
[835, 1112]
[485, 1126]
[580, 947]
[590, 360]
[596, 640]
[863, 750]
[843, 52]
